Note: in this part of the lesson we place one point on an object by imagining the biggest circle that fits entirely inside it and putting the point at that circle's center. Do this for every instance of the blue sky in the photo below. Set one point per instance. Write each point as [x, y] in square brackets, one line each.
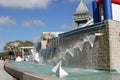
[27, 19]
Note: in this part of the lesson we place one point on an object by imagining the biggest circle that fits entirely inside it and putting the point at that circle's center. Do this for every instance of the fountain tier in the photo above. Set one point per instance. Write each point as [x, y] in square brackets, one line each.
[92, 47]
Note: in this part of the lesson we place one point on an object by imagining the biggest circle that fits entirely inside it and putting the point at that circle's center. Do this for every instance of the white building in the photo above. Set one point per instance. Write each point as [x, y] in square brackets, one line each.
[49, 39]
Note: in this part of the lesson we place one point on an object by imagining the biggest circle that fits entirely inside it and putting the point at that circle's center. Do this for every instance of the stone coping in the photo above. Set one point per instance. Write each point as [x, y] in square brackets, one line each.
[88, 29]
[25, 75]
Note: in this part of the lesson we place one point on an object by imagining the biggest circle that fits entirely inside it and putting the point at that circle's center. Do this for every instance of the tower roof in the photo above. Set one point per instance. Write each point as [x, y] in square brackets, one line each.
[82, 8]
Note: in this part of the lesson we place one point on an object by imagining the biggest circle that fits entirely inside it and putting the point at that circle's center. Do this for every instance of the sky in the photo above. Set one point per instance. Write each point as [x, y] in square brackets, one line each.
[27, 19]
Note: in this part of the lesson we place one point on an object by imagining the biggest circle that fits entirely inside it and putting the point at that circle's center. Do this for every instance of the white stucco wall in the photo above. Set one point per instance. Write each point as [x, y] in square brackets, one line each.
[116, 12]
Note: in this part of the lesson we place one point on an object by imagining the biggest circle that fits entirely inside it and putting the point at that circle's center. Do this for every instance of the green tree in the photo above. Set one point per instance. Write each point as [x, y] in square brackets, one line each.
[13, 47]
[17, 44]
[3, 53]
[27, 43]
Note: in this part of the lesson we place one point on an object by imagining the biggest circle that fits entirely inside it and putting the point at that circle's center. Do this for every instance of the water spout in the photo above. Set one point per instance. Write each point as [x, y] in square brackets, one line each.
[19, 59]
[98, 34]
[91, 39]
[62, 55]
[80, 45]
[35, 56]
[59, 71]
[85, 39]
[70, 51]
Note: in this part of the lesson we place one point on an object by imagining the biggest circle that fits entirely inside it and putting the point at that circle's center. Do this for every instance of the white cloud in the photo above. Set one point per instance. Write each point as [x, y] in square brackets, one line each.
[33, 23]
[64, 27]
[26, 23]
[6, 20]
[38, 22]
[27, 4]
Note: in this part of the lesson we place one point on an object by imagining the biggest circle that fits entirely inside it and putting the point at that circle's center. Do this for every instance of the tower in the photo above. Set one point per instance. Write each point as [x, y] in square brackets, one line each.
[81, 15]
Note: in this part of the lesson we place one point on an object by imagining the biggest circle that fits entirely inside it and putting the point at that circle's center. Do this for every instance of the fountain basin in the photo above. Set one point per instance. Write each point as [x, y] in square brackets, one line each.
[22, 74]
[33, 71]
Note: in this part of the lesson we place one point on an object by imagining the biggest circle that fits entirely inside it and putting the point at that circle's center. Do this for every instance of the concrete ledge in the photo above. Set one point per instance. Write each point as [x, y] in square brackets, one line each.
[25, 75]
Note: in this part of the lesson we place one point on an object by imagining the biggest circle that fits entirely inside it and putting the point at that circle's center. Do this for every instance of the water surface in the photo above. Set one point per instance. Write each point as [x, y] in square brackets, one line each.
[74, 73]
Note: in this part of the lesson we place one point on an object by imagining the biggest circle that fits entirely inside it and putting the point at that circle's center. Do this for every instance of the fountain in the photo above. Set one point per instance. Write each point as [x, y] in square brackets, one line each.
[35, 55]
[91, 39]
[70, 51]
[59, 71]
[19, 59]
[87, 53]
[80, 45]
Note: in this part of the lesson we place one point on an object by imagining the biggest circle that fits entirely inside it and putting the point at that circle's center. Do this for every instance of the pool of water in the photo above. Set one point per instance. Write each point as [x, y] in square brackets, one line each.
[74, 73]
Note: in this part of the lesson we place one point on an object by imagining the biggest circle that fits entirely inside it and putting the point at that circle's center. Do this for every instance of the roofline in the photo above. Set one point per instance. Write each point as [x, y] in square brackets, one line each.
[26, 47]
[99, 2]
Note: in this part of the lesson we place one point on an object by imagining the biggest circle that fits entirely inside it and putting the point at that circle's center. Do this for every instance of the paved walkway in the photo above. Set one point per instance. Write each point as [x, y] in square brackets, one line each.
[3, 74]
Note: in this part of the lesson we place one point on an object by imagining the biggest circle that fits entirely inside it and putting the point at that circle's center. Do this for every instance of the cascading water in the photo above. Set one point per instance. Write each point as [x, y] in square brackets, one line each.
[69, 52]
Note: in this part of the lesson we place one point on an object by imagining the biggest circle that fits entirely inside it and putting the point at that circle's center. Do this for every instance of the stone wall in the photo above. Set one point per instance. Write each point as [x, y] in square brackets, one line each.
[114, 38]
